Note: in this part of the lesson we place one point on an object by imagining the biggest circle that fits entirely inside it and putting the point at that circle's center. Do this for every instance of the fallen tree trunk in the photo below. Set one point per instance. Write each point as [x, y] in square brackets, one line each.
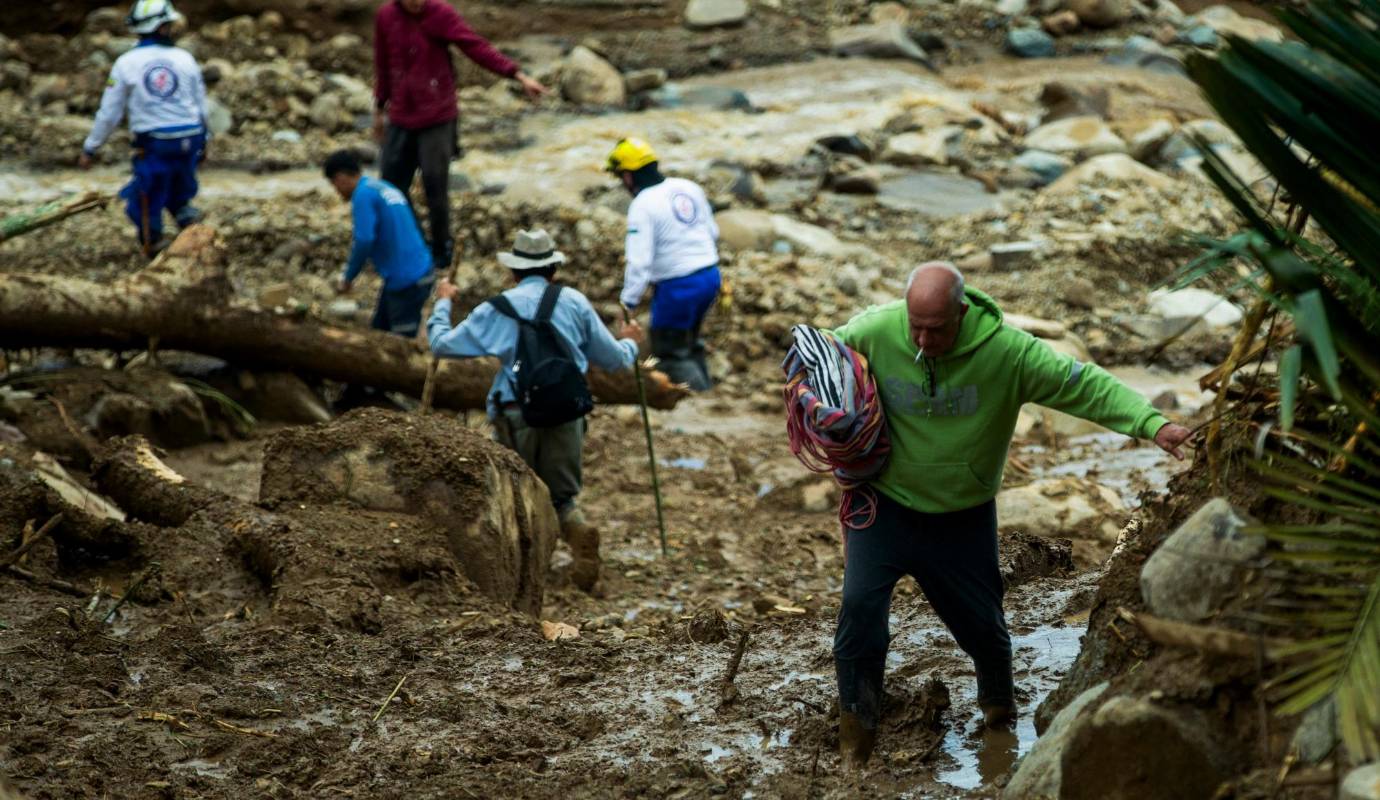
[182, 302]
[45, 215]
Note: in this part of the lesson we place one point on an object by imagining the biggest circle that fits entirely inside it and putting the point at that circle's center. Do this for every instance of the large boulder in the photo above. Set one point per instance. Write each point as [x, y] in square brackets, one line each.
[589, 80]
[495, 513]
[1362, 783]
[1083, 136]
[1201, 565]
[885, 40]
[742, 229]
[715, 13]
[1040, 773]
[1062, 508]
[1109, 169]
[1185, 305]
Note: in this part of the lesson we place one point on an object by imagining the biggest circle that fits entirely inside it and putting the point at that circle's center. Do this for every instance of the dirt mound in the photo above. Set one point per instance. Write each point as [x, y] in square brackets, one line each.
[424, 473]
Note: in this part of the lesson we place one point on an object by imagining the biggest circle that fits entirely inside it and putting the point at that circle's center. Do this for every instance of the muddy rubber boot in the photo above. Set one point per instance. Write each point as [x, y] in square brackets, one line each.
[999, 716]
[856, 741]
[674, 351]
[583, 539]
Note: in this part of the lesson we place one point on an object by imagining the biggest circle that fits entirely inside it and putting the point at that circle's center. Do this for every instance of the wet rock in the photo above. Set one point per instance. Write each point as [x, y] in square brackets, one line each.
[934, 146]
[1040, 773]
[644, 80]
[1316, 736]
[1200, 566]
[1082, 293]
[1101, 13]
[1146, 53]
[1201, 36]
[1083, 137]
[495, 512]
[1192, 303]
[744, 229]
[165, 411]
[1024, 557]
[588, 80]
[1062, 101]
[1046, 166]
[852, 175]
[1062, 508]
[886, 40]
[1362, 783]
[1225, 21]
[219, 120]
[1130, 748]
[715, 13]
[1060, 23]
[819, 496]
[1110, 169]
[1146, 144]
[1029, 43]
[281, 397]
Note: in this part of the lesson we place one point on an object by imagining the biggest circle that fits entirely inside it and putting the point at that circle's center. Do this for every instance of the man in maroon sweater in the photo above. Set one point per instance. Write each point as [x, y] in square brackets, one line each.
[414, 89]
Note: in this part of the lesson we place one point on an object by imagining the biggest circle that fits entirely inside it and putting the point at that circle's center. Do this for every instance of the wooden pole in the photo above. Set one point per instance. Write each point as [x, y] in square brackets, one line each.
[429, 387]
[50, 213]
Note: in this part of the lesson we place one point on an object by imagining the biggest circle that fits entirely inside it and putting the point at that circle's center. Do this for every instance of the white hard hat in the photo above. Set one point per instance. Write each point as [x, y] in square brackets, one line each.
[148, 16]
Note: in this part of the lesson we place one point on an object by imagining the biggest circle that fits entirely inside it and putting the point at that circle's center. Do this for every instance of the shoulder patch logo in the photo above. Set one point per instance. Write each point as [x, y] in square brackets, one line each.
[160, 80]
[683, 206]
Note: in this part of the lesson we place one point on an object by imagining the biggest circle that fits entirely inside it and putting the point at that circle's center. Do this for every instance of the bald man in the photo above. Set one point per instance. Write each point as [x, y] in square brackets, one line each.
[952, 377]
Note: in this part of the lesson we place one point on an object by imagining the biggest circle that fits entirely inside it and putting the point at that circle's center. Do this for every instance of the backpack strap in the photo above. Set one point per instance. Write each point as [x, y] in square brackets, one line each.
[548, 302]
[504, 307]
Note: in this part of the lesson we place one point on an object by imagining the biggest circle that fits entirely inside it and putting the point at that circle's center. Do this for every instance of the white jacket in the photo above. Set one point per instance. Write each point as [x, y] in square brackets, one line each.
[671, 233]
[162, 89]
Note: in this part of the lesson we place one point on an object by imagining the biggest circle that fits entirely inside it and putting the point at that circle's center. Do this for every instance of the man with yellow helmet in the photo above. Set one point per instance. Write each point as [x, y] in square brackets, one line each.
[672, 247]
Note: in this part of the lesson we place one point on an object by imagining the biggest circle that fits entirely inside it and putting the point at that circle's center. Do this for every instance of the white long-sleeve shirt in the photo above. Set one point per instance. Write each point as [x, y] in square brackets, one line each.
[671, 233]
[161, 88]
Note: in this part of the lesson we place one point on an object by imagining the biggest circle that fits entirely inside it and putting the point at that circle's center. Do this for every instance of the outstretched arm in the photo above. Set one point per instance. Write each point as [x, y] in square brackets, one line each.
[474, 337]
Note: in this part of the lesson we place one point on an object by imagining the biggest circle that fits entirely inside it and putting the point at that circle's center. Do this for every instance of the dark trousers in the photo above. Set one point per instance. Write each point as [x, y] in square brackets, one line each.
[399, 311]
[430, 150]
[953, 557]
[679, 307]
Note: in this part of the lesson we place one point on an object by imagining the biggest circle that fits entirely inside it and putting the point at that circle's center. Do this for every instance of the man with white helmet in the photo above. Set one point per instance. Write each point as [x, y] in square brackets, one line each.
[159, 85]
[672, 247]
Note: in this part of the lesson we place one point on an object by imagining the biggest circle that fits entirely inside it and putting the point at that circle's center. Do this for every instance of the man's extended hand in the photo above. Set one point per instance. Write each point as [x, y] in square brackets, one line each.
[631, 330]
[445, 290]
[533, 87]
[380, 121]
[1170, 438]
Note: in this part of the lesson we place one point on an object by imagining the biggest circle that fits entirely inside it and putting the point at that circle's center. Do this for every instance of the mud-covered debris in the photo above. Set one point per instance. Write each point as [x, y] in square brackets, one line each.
[558, 631]
[708, 626]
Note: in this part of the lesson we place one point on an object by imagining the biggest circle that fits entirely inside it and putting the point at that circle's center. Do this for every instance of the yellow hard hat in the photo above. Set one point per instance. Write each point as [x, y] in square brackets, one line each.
[630, 155]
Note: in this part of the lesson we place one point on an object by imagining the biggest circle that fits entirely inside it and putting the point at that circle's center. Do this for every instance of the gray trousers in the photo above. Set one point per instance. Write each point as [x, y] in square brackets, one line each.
[553, 453]
[430, 150]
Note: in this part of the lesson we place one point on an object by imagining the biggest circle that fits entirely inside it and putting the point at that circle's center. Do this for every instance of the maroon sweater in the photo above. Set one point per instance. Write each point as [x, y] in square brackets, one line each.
[413, 75]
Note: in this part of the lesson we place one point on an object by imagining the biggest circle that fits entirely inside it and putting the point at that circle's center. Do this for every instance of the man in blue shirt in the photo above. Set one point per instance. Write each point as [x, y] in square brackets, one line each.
[553, 453]
[386, 232]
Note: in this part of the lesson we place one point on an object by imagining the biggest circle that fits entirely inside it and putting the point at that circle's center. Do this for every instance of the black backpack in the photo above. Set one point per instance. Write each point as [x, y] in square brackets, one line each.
[551, 389]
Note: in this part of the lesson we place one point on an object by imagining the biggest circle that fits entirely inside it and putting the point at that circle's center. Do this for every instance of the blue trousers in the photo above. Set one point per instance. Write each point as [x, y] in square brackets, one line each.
[680, 304]
[164, 179]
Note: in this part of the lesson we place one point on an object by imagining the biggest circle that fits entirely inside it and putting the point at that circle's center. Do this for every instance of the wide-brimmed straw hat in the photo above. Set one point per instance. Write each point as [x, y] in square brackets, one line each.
[532, 250]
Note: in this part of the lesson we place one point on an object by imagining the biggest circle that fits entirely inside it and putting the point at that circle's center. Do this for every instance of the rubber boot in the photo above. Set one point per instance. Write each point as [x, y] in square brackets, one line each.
[583, 539]
[860, 707]
[674, 350]
[856, 741]
[996, 692]
[998, 716]
[697, 351]
[188, 216]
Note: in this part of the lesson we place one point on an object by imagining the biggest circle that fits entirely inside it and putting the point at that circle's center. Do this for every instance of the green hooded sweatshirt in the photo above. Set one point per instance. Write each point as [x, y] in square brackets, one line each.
[951, 418]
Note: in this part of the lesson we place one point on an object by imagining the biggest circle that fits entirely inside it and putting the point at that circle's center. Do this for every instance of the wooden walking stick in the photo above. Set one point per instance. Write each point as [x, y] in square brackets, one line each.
[429, 387]
[651, 449]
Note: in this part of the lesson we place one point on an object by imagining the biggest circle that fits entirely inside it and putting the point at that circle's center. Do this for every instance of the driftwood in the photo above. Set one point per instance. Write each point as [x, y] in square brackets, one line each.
[50, 213]
[1202, 638]
[183, 301]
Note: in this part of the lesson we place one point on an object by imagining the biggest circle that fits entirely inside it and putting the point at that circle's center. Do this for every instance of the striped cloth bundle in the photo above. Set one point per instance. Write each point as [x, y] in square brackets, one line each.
[834, 418]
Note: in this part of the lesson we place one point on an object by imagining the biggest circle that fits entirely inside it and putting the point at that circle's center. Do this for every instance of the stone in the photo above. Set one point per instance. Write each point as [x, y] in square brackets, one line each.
[1183, 304]
[1128, 747]
[889, 11]
[1066, 508]
[1201, 36]
[819, 496]
[1013, 256]
[851, 175]
[1039, 774]
[1045, 165]
[847, 145]
[1039, 328]
[343, 309]
[1076, 136]
[886, 40]
[745, 229]
[1081, 292]
[1227, 22]
[275, 295]
[286, 137]
[1108, 169]
[1316, 736]
[281, 397]
[1029, 43]
[715, 13]
[1146, 143]
[219, 120]
[719, 98]
[1101, 13]
[1167, 12]
[433, 473]
[14, 75]
[927, 147]
[814, 240]
[589, 80]
[1193, 574]
[1362, 783]
[1145, 53]
[1062, 101]
[1060, 23]
[1012, 8]
[644, 80]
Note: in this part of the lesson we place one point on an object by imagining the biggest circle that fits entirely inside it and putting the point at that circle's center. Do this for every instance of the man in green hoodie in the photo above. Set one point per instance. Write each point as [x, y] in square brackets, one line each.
[953, 379]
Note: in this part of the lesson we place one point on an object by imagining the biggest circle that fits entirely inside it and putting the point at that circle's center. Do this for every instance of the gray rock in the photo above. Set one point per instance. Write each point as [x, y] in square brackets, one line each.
[286, 137]
[1012, 256]
[719, 98]
[219, 120]
[1146, 144]
[1083, 137]
[1362, 783]
[1012, 8]
[1146, 53]
[745, 229]
[1029, 43]
[1047, 166]
[1316, 736]
[1040, 773]
[1200, 566]
[644, 80]
[342, 309]
[855, 177]
[885, 40]
[1132, 748]
[589, 80]
[1200, 36]
[715, 13]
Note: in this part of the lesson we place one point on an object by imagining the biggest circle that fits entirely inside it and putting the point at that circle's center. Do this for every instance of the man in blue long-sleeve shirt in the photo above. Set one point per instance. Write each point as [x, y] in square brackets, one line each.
[385, 232]
[553, 453]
